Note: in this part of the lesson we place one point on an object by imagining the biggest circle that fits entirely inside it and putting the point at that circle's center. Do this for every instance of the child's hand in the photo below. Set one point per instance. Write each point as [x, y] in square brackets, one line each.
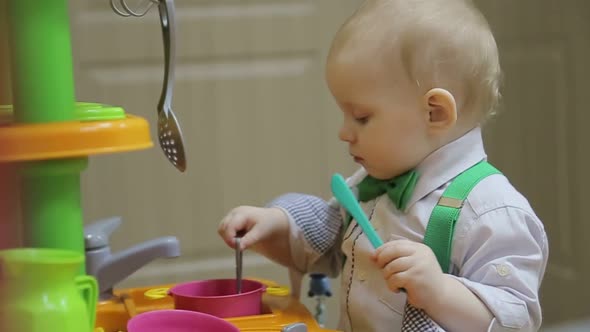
[412, 266]
[254, 223]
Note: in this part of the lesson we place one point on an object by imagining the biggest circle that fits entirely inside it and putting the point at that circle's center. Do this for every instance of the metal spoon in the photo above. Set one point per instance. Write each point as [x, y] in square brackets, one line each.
[169, 133]
[238, 266]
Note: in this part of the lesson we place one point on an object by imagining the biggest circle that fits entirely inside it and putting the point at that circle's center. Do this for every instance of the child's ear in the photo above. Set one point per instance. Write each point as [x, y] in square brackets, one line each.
[441, 107]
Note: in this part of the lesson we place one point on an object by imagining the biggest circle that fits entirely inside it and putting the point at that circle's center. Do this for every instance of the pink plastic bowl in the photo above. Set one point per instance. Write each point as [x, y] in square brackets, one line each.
[218, 297]
[178, 321]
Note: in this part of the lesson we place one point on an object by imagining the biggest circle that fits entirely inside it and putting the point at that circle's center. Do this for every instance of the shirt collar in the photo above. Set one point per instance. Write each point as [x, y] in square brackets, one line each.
[447, 162]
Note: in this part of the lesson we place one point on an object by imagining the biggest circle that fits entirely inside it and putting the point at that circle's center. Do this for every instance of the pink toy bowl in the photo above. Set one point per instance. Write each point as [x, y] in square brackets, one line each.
[218, 297]
[178, 321]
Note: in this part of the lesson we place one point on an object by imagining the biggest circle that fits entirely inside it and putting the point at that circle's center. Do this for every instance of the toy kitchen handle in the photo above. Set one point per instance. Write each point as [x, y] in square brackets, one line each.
[89, 289]
[97, 234]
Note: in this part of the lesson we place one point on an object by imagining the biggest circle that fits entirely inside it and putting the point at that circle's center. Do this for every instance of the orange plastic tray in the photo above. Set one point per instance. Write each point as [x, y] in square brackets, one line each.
[24, 142]
[279, 311]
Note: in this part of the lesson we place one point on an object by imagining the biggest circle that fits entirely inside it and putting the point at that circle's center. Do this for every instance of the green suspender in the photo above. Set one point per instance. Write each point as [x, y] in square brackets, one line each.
[441, 226]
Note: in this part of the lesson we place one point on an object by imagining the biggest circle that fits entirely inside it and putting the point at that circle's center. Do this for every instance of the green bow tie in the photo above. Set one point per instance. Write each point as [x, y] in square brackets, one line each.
[399, 189]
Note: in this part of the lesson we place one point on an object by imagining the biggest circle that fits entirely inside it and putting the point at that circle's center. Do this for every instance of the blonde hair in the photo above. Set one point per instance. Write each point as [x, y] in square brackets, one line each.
[441, 44]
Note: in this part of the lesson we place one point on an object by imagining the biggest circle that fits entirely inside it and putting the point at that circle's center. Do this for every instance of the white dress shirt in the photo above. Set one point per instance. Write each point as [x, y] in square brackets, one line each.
[499, 248]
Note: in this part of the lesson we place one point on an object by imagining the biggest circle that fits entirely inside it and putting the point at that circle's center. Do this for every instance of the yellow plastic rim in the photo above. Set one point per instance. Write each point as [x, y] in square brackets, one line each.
[272, 288]
[156, 293]
[278, 291]
[23, 142]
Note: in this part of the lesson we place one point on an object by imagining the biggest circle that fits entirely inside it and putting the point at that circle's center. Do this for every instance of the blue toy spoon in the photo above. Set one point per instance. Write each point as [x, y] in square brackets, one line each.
[345, 196]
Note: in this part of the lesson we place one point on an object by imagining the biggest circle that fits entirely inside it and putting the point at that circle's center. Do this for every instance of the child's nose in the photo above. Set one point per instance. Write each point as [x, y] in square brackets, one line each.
[345, 134]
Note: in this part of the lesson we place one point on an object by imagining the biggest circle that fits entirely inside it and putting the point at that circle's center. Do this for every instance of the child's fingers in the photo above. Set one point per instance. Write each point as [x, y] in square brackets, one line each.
[393, 239]
[250, 238]
[393, 250]
[230, 226]
[397, 282]
[396, 266]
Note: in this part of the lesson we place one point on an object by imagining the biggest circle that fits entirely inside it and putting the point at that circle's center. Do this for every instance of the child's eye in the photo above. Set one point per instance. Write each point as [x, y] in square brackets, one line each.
[362, 119]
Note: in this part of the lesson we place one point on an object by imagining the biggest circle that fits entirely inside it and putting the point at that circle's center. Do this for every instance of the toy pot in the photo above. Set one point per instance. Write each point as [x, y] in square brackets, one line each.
[178, 321]
[41, 291]
[217, 297]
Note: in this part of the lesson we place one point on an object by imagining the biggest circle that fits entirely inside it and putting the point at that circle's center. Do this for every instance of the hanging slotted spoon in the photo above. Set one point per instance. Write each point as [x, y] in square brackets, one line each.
[169, 134]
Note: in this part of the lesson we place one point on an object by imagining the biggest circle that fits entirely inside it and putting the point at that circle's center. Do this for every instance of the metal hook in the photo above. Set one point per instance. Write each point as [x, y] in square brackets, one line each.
[127, 11]
[117, 10]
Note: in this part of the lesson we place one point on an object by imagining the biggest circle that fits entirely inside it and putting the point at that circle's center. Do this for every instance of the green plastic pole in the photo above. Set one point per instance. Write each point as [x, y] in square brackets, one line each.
[43, 81]
[43, 91]
[52, 207]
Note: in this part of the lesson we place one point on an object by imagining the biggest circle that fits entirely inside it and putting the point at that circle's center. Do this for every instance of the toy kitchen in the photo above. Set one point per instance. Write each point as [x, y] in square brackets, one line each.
[62, 275]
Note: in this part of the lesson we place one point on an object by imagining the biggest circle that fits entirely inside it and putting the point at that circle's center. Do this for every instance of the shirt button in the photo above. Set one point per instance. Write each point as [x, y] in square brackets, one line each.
[362, 276]
[503, 270]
